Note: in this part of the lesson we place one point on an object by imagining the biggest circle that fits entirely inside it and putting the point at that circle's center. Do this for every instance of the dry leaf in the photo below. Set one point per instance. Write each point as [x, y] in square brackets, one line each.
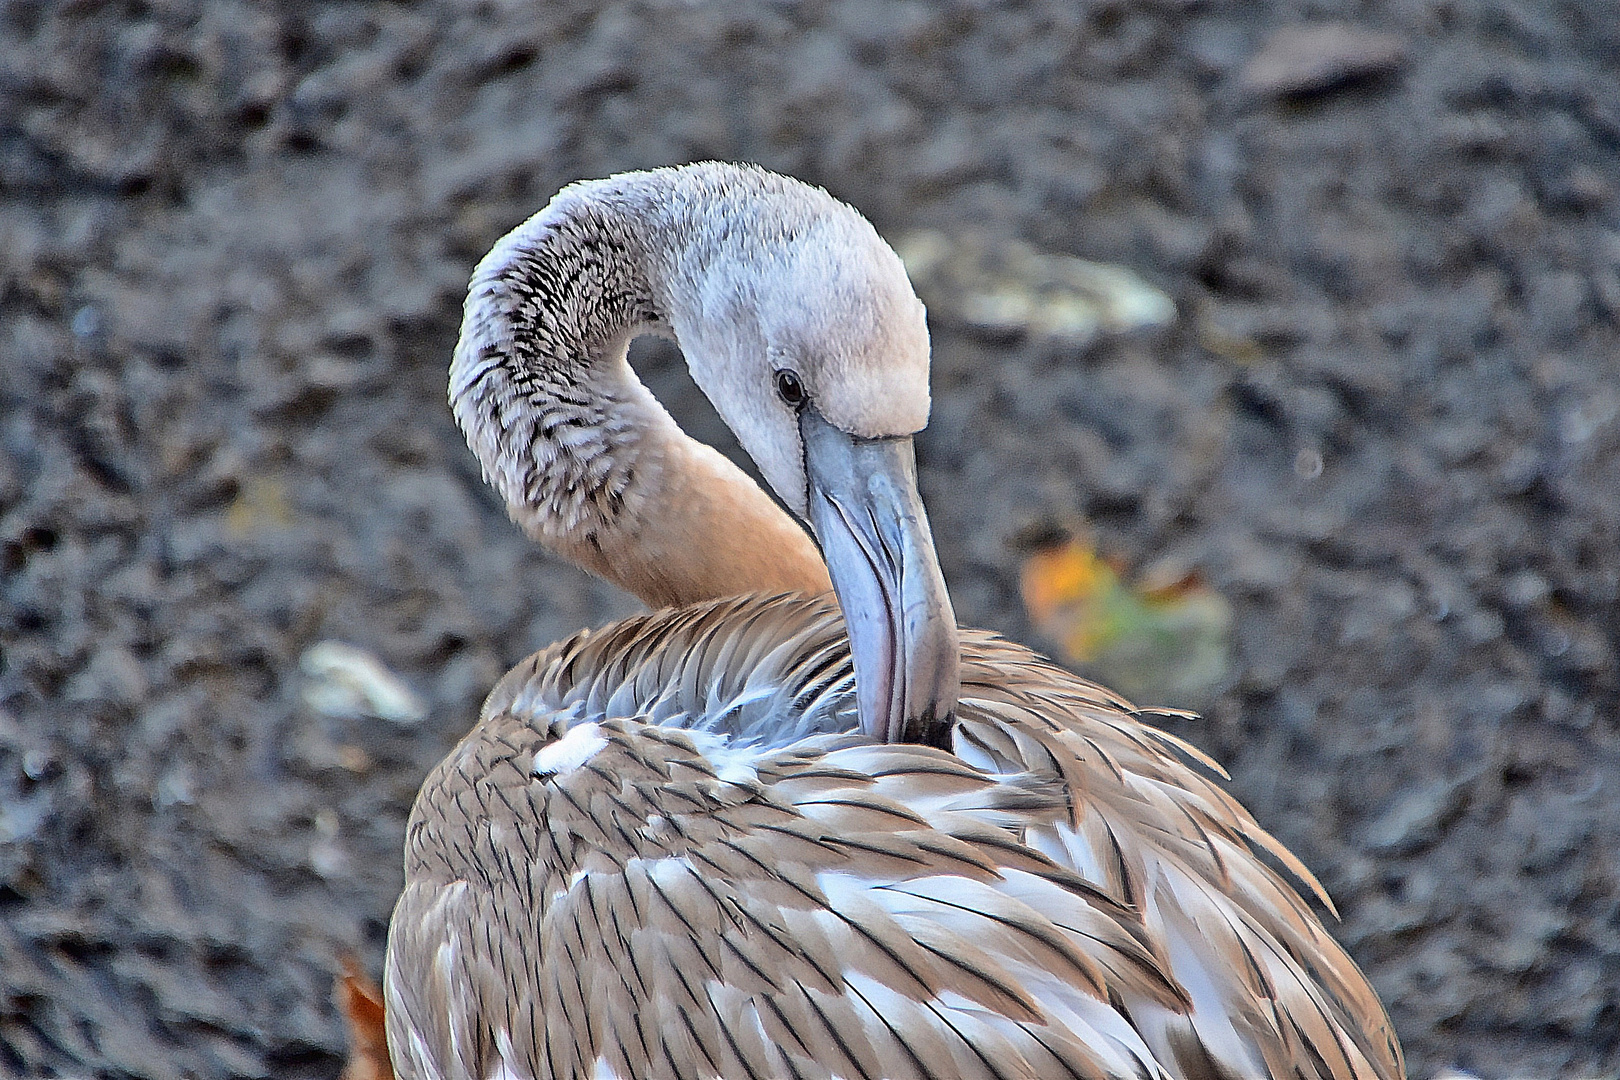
[1156, 642]
[361, 1003]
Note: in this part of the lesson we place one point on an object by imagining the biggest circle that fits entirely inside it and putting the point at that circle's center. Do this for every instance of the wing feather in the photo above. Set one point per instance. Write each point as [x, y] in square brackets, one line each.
[734, 885]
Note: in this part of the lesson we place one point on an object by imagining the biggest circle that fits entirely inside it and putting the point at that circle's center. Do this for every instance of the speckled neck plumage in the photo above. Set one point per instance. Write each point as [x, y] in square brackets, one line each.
[588, 462]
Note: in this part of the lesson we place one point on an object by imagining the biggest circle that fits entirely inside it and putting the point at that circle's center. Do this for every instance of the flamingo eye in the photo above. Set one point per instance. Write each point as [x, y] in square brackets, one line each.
[790, 388]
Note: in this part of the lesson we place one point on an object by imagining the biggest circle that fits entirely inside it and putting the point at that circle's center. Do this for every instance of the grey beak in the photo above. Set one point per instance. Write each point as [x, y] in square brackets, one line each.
[867, 515]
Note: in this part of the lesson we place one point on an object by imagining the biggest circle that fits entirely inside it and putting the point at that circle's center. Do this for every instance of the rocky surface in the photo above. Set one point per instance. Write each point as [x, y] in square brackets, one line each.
[1385, 426]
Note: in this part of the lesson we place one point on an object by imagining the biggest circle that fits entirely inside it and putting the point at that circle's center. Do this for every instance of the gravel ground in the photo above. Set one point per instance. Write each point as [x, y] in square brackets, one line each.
[1385, 426]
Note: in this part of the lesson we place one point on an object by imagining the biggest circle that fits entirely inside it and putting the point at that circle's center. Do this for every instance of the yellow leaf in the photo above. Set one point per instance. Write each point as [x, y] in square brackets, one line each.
[1066, 592]
[1154, 640]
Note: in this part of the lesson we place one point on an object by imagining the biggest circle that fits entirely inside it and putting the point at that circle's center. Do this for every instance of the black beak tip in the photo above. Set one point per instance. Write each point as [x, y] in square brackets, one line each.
[930, 729]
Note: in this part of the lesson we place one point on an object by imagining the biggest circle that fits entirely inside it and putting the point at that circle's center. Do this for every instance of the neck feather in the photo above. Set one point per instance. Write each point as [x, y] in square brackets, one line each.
[587, 460]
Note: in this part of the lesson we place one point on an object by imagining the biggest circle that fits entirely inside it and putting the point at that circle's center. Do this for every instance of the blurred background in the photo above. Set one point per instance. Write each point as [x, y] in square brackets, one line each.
[1287, 332]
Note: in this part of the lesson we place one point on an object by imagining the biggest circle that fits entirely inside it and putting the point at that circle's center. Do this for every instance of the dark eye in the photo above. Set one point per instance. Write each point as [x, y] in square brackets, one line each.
[789, 388]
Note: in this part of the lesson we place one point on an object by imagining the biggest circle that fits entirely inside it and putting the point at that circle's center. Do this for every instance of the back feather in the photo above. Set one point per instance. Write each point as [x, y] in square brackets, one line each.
[713, 877]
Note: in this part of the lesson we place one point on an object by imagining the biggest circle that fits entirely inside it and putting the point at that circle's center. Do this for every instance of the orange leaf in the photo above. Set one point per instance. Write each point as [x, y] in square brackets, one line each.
[1059, 576]
[361, 1003]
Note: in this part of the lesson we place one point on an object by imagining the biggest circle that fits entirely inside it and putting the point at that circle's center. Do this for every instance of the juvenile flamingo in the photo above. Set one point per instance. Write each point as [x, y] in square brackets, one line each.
[758, 833]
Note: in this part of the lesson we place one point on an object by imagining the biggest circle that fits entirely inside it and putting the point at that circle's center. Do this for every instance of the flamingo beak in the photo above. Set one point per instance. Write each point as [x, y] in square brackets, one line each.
[867, 515]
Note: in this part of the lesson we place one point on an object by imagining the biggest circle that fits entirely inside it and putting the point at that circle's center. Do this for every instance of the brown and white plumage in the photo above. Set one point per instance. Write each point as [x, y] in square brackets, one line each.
[673, 848]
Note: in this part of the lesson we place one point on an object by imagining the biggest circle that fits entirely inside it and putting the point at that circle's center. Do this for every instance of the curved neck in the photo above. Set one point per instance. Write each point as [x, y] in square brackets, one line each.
[587, 460]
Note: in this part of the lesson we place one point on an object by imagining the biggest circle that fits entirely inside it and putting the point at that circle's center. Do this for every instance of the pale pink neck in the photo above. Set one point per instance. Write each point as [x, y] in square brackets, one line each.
[703, 530]
[588, 462]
